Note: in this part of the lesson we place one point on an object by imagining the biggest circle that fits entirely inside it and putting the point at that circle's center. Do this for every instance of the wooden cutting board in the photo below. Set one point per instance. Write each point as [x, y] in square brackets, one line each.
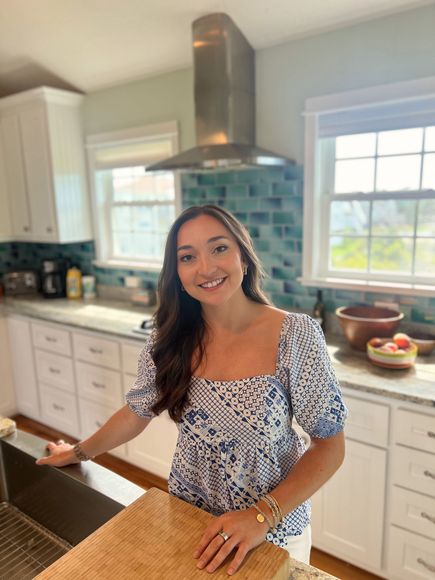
[154, 538]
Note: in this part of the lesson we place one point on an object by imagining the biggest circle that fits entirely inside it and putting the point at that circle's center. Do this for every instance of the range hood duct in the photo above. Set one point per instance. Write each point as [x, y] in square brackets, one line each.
[224, 76]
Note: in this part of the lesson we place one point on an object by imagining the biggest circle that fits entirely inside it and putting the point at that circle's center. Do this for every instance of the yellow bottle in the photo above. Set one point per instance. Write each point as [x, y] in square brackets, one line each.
[73, 283]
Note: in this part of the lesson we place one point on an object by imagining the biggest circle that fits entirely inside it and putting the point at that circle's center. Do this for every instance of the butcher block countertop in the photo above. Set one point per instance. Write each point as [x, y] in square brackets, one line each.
[154, 538]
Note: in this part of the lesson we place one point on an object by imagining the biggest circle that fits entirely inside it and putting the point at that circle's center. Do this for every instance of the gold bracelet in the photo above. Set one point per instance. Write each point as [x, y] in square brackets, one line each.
[273, 509]
[276, 505]
[261, 516]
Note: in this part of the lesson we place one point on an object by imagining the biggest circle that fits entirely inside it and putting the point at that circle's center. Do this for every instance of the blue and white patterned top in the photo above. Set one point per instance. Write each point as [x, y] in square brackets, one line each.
[235, 440]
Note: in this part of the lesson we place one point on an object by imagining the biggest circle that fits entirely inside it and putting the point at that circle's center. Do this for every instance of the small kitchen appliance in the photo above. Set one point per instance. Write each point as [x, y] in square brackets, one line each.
[21, 282]
[53, 274]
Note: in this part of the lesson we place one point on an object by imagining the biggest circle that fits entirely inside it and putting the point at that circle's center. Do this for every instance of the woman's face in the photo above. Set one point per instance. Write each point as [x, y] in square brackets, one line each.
[209, 262]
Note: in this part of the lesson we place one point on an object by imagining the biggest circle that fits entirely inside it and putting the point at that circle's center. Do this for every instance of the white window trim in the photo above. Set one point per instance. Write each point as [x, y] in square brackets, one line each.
[113, 138]
[313, 254]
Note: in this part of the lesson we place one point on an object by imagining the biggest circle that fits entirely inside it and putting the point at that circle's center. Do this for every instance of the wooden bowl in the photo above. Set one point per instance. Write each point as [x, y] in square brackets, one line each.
[392, 360]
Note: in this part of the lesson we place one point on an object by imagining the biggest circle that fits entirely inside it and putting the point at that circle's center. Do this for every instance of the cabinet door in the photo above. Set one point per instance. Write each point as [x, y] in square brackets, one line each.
[348, 511]
[23, 368]
[36, 153]
[5, 218]
[15, 176]
[7, 396]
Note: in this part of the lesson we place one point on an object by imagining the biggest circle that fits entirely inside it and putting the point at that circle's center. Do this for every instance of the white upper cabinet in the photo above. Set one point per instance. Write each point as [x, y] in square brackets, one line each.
[44, 166]
[5, 218]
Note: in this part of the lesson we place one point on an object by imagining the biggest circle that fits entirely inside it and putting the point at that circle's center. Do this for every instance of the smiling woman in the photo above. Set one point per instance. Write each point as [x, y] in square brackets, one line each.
[233, 372]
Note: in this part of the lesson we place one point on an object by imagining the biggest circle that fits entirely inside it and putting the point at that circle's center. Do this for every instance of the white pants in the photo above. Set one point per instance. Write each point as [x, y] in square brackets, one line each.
[299, 547]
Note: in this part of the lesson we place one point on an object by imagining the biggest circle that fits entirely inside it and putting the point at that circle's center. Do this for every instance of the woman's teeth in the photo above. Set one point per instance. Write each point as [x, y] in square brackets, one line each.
[212, 284]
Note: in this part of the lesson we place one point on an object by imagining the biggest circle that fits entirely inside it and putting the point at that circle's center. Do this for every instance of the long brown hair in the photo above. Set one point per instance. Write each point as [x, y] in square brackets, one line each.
[178, 320]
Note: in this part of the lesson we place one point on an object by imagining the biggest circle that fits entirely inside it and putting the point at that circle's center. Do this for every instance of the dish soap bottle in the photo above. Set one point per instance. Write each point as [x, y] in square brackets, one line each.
[319, 311]
[73, 283]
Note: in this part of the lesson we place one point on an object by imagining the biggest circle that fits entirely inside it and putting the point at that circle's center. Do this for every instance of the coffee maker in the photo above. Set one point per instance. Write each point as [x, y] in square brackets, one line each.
[53, 278]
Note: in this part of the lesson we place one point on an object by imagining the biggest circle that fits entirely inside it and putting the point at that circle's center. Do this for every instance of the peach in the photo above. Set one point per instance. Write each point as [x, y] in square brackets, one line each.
[375, 342]
[402, 340]
[390, 346]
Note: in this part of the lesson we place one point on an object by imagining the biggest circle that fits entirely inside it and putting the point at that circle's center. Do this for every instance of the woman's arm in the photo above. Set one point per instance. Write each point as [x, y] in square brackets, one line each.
[314, 468]
[120, 428]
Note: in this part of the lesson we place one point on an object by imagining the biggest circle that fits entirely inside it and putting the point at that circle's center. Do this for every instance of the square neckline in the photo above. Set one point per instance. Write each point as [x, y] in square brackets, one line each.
[260, 376]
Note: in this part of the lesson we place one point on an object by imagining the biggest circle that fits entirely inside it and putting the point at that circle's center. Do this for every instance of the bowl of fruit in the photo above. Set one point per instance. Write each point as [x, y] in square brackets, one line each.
[398, 352]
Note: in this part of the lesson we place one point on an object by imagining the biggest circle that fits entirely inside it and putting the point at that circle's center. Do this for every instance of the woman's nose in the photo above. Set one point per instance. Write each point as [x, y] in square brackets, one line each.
[206, 265]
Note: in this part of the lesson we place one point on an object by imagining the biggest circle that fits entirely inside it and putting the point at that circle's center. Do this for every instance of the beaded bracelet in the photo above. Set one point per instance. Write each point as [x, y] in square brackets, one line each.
[80, 454]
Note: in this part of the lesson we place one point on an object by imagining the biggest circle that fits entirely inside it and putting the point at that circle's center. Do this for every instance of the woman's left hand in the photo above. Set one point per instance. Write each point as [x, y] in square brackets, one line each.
[244, 531]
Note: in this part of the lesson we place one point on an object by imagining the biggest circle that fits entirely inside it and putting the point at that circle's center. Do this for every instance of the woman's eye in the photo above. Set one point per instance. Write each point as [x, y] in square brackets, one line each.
[221, 249]
[186, 258]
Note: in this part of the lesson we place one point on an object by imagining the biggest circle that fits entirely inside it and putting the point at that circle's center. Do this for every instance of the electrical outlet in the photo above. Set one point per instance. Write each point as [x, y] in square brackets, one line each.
[132, 282]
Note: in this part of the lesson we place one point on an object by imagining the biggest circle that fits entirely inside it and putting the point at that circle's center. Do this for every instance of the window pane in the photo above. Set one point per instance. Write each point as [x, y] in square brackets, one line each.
[398, 173]
[134, 184]
[429, 140]
[392, 255]
[361, 145]
[354, 176]
[121, 219]
[348, 253]
[349, 217]
[123, 245]
[393, 217]
[428, 171]
[425, 257]
[426, 217]
[401, 141]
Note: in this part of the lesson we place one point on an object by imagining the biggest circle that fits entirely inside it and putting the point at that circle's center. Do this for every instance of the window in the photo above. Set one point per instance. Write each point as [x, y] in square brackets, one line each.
[369, 215]
[133, 209]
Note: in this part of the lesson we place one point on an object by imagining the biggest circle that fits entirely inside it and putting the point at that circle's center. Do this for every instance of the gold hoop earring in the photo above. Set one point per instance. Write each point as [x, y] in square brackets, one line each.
[182, 288]
[245, 270]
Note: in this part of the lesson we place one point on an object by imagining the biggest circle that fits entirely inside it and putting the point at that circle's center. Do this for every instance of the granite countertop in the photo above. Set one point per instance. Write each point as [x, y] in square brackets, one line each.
[354, 370]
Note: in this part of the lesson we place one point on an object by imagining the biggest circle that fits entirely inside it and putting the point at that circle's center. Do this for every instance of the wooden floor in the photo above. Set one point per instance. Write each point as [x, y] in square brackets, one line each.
[319, 559]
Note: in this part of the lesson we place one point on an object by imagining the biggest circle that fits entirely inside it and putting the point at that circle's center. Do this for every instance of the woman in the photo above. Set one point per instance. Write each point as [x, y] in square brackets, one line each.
[232, 371]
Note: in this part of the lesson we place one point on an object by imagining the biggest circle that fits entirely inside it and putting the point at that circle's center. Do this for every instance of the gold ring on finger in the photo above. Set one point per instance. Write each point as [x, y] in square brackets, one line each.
[224, 535]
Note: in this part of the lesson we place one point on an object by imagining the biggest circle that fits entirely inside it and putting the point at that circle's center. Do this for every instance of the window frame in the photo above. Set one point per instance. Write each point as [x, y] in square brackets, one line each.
[317, 202]
[102, 230]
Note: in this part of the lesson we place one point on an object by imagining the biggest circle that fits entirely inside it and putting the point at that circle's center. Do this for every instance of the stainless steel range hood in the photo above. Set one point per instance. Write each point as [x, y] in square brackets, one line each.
[224, 72]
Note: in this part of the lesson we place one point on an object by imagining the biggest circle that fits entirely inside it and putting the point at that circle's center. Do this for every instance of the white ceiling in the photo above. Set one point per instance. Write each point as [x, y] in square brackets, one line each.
[92, 44]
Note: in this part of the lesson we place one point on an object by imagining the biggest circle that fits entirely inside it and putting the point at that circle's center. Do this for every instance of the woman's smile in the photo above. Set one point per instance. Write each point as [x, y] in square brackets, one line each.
[213, 284]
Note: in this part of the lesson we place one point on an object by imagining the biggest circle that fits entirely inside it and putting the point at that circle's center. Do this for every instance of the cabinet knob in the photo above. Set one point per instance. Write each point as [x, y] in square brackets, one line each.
[26, 228]
[49, 229]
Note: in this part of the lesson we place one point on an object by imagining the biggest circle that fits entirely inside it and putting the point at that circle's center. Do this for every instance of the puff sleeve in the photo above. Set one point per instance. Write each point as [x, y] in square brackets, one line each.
[315, 393]
[143, 394]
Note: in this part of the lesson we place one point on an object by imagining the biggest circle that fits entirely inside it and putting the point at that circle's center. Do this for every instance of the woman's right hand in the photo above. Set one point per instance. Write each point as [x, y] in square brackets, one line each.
[61, 454]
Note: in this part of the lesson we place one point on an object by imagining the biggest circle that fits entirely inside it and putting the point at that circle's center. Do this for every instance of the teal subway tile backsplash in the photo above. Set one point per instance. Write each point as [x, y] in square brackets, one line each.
[269, 202]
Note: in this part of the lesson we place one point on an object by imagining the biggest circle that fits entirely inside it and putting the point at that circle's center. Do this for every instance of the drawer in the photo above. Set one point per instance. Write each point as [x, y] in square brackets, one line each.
[55, 370]
[97, 350]
[413, 511]
[414, 470]
[415, 430]
[59, 410]
[410, 557]
[93, 416]
[367, 422]
[50, 338]
[130, 357]
[99, 384]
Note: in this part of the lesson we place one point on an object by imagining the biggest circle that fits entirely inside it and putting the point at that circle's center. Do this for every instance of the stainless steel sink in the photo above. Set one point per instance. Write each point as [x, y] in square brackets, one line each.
[44, 511]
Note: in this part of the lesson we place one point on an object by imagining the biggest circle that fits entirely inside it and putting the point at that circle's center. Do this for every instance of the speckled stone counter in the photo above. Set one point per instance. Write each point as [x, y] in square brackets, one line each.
[299, 571]
[354, 370]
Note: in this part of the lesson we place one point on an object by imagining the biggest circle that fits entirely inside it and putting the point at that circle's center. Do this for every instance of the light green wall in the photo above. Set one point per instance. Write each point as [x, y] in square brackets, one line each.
[167, 97]
[390, 49]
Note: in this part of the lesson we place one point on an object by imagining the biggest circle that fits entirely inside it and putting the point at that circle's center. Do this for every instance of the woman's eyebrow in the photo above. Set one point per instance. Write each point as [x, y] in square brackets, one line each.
[209, 241]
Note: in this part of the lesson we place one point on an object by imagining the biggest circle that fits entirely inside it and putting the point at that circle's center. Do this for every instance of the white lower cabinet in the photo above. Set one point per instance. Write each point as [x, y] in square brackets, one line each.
[411, 557]
[348, 512]
[59, 410]
[93, 416]
[23, 367]
[8, 403]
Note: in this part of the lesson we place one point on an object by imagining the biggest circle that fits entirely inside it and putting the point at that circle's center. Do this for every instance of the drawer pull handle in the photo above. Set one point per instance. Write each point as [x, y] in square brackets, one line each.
[428, 517]
[431, 434]
[427, 473]
[58, 407]
[98, 385]
[50, 339]
[426, 565]
[98, 424]
[53, 370]
[95, 350]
